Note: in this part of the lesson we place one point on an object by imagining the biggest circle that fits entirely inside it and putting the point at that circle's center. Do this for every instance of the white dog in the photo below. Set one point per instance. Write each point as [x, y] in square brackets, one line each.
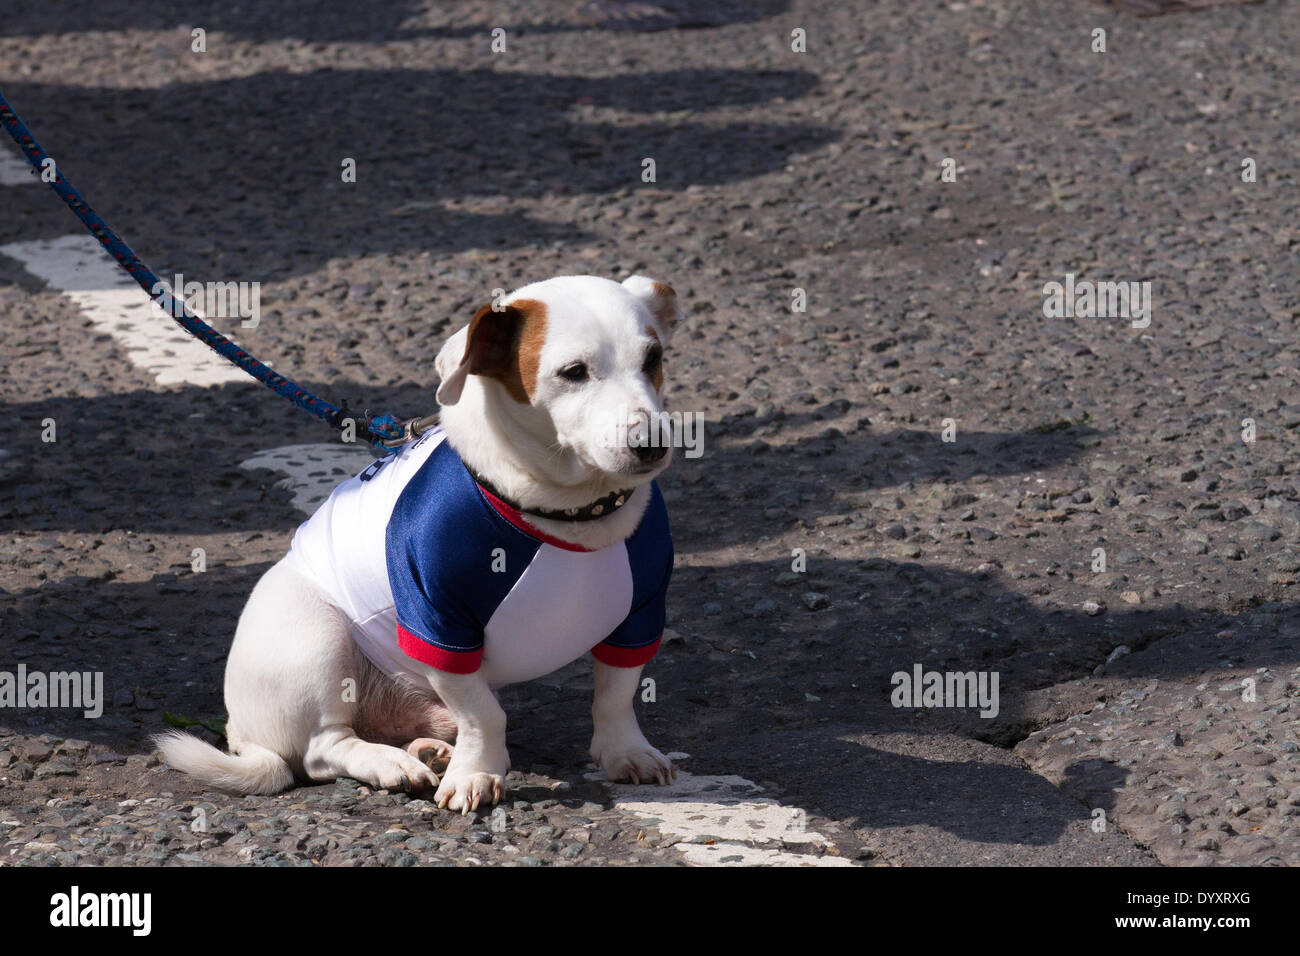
[497, 548]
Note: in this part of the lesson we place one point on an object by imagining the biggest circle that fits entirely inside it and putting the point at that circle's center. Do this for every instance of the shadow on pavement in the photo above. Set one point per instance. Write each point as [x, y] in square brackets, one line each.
[347, 21]
[269, 150]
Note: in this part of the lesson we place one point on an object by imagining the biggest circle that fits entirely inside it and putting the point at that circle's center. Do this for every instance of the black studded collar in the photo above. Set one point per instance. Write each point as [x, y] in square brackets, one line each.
[600, 508]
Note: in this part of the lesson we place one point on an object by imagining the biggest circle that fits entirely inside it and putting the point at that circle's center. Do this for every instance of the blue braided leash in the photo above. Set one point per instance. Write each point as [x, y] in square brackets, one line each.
[382, 430]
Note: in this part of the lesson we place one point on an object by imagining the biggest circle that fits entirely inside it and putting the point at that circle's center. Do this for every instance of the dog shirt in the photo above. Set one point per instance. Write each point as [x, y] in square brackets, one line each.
[431, 567]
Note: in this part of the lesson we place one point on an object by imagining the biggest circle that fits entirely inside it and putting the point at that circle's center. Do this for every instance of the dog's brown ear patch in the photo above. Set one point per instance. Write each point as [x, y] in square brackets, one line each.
[507, 346]
[664, 305]
[660, 298]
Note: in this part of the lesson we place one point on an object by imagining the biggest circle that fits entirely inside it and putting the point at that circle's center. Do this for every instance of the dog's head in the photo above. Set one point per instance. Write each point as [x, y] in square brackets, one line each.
[577, 362]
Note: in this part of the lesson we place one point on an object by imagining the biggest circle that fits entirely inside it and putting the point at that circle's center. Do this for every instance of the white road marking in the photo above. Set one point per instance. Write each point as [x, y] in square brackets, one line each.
[732, 854]
[745, 829]
[79, 267]
[14, 168]
[312, 471]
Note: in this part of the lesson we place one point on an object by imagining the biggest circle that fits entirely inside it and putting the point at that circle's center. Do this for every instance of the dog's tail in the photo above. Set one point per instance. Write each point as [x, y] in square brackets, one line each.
[254, 770]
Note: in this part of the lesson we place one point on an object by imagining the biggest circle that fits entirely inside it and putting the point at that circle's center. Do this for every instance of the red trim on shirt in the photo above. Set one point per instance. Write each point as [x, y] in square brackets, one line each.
[624, 656]
[515, 518]
[453, 662]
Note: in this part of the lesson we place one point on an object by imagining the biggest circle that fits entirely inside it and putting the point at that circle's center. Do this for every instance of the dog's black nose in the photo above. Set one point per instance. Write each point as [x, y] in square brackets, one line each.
[649, 453]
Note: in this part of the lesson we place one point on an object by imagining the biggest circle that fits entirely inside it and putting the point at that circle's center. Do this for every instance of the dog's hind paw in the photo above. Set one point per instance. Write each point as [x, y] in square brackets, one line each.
[466, 791]
[407, 774]
[434, 754]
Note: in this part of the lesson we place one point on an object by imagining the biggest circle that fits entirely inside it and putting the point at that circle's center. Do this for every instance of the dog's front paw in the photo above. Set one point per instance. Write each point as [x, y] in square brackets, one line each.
[633, 762]
[464, 791]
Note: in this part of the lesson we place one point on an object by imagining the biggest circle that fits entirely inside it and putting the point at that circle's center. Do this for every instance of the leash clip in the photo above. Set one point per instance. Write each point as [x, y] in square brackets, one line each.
[411, 430]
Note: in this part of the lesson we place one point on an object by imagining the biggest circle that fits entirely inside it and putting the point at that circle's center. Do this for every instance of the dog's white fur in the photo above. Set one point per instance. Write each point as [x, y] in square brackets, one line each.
[293, 648]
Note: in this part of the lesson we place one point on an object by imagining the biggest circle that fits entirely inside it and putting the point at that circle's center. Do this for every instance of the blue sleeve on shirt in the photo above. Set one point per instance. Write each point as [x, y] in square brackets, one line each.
[650, 554]
[442, 542]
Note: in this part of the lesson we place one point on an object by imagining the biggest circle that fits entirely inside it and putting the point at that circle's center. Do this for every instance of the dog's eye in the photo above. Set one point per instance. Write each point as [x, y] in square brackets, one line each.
[577, 372]
[652, 360]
